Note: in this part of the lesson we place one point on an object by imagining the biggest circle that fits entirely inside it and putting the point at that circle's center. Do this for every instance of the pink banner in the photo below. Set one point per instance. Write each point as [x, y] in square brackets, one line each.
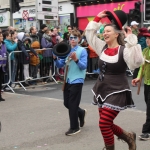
[93, 10]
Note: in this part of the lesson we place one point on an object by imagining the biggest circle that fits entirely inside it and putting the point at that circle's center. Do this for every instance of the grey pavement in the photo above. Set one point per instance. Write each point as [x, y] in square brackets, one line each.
[52, 90]
[39, 123]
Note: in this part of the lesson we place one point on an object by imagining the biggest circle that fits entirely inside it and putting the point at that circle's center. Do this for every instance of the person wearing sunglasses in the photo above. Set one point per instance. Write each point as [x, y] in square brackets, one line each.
[77, 60]
[111, 90]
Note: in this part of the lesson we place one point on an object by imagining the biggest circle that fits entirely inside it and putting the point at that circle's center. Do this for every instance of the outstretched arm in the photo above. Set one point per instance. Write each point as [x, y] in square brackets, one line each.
[91, 33]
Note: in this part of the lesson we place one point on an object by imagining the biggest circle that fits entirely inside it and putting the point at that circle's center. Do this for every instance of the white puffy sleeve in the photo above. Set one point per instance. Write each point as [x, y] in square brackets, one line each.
[133, 53]
[91, 36]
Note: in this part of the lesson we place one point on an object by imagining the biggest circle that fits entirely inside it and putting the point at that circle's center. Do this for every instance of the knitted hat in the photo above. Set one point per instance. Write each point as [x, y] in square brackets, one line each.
[43, 26]
[118, 17]
[35, 44]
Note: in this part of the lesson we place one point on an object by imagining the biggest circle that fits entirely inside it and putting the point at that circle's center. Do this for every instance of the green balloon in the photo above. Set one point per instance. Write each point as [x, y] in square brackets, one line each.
[101, 29]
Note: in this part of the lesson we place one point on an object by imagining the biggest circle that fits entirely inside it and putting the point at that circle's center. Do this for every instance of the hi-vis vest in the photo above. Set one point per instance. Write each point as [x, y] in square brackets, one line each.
[3, 57]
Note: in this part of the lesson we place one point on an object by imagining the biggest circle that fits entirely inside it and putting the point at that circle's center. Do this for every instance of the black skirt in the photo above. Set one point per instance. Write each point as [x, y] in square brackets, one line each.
[117, 101]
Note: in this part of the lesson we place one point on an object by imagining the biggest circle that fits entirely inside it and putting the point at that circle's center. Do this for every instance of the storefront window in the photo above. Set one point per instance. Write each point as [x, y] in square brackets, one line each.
[146, 25]
[50, 23]
[24, 25]
[64, 21]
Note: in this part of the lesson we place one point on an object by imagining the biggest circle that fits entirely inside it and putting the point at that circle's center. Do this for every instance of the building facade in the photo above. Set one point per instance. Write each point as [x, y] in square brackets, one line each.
[86, 10]
[4, 13]
[26, 16]
[66, 14]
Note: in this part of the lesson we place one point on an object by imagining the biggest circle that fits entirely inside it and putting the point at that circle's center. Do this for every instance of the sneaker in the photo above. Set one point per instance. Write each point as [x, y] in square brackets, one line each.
[72, 132]
[28, 78]
[82, 118]
[13, 85]
[17, 86]
[7, 89]
[144, 136]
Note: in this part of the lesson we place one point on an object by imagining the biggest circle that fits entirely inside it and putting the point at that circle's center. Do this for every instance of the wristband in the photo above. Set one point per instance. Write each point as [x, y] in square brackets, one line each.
[97, 19]
[77, 61]
[55, 59]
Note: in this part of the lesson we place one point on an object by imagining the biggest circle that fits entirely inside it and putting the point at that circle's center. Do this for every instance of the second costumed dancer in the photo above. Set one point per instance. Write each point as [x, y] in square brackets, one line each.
[111, 91]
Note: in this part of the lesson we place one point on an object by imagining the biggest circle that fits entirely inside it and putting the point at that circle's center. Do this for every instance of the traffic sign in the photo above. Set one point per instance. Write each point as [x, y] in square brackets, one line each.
[25, 14]
[47, 9]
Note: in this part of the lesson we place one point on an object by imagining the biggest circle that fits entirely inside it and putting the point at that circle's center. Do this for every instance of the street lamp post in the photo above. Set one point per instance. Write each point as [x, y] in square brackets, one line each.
[11, 13]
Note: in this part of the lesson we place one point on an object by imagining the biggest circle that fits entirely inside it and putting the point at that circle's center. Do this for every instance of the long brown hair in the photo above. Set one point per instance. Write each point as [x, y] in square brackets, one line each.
[120, 38]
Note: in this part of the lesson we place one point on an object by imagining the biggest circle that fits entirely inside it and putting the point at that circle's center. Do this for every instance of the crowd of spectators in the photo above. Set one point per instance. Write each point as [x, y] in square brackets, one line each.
[38, 60]
[31, 54]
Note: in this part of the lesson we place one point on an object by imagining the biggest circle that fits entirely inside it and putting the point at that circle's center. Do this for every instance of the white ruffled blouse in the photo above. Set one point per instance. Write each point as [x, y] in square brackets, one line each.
[132, 53]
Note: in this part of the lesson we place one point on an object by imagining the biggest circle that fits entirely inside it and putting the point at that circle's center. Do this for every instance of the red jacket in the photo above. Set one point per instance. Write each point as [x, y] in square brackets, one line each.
[92, 53]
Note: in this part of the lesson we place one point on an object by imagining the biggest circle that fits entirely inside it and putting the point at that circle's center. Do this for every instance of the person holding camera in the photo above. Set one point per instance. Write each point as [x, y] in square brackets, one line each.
[111, 90]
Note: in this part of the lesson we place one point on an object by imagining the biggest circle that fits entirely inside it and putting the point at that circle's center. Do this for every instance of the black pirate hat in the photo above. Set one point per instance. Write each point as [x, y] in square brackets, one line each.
[118, 17]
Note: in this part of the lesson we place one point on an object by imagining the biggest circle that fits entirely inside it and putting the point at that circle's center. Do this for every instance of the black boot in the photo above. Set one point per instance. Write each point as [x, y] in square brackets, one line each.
[1, 99]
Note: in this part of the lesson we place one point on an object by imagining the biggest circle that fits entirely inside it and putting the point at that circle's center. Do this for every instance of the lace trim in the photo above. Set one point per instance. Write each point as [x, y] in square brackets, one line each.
[113, 107]
[108, 94]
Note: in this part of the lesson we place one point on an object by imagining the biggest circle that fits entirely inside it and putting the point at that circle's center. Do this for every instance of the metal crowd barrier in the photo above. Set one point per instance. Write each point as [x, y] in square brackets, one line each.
[45, 68]
[6, 74]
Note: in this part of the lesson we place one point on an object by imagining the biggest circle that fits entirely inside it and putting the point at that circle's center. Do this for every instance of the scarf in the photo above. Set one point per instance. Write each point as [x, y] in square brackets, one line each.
[47, 37]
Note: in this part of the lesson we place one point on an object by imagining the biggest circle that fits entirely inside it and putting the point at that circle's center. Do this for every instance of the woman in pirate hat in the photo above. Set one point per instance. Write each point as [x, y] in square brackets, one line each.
[111, 90]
